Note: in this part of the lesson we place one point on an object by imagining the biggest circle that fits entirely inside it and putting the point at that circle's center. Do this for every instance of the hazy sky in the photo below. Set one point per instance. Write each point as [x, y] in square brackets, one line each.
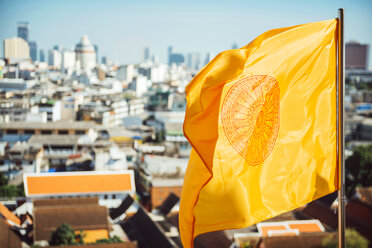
[121, 28]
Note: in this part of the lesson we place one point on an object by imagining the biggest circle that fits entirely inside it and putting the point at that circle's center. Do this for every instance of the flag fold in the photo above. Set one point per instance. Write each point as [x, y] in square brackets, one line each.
[262, 123]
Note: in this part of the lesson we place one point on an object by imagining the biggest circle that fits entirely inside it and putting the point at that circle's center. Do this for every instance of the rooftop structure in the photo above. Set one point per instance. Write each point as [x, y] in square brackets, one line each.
[78, 183]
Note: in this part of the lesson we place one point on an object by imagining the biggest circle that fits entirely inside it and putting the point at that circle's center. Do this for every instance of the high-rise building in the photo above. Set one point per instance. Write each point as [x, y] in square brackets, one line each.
[146, 54]
[104, 60]
[176, 58]
[55, 59]
[170, 52]
[356, 56]
[16, 48]
[42, 55]
[22, 31]
[85, 53]
[68, 60]
[33, 50]
[234, 46]
[207, 59]
[96, 50]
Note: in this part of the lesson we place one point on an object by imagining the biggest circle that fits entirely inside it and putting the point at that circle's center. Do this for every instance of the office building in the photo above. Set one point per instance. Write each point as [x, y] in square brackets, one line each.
[146, 54]
[170, 51]
[356, 56]
[33, 50]
[42, 55]
[16, 48]
[22, 31]
[96, 50]
[85, 53]
[55, 59]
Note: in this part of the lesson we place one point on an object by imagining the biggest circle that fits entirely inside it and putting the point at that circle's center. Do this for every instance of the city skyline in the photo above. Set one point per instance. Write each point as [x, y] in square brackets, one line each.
[122, 29]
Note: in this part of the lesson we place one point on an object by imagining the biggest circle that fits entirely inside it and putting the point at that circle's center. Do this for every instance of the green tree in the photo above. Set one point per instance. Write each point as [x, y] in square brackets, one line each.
[64, 235]
[358, 169]
[352, 238]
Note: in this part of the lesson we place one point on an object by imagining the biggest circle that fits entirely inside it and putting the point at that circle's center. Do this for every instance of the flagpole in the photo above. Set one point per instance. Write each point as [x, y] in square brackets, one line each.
[341, 124]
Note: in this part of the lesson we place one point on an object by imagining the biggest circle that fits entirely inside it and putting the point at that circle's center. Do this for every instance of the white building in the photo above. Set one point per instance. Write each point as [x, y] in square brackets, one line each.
[125, 73]
[16, 48]
[55, 59]
[68, 60]
[85, 53]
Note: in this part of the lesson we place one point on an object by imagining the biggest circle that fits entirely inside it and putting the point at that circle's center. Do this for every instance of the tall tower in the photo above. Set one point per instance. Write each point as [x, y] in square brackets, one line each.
[85, 53]
[22, 30]
[170, 51]
[146, 54]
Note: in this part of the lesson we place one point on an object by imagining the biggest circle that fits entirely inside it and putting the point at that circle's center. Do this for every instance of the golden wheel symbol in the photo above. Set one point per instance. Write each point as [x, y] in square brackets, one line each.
[250, 117]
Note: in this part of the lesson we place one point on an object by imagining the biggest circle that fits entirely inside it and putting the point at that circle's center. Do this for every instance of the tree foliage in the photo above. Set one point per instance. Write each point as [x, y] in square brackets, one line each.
[358, 169]
[64, 235]
[10, 191]
[352, 238]
[110, 240]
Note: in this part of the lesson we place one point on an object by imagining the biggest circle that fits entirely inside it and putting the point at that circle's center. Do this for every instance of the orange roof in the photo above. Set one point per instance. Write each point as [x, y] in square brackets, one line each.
[266, 229]
[91, 236]
[306, 227]
[8, 215]
[287, 228]
[74, 183]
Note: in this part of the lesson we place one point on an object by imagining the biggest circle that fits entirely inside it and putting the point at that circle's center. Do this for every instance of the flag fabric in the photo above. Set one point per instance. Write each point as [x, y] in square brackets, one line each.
[262, 124]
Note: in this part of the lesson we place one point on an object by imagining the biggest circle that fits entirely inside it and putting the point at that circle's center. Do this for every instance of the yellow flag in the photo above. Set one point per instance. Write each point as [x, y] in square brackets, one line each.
[262, 123]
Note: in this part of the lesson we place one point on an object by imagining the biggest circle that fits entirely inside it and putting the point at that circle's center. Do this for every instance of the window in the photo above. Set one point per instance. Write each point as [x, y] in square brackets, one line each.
[79, 132]
[63, 132]
[29, 131]
[12, 131]
[46, 131]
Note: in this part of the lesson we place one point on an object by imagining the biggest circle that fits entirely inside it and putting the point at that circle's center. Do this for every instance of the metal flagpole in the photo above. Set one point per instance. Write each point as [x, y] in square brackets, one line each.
[341, 124]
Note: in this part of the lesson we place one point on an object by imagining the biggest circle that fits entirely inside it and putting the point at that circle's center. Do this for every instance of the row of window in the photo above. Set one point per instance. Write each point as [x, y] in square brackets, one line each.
[30, 131]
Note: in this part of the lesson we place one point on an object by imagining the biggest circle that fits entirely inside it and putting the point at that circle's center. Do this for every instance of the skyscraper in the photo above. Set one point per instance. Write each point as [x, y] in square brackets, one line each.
[356, 56]
[170, 51]
[96, 50]
[23, 30]
[146, 54]
[33, 50]
[42, 55]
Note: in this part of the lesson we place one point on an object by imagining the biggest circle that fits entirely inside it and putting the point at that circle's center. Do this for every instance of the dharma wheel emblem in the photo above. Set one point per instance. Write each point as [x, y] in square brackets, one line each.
[250, 117]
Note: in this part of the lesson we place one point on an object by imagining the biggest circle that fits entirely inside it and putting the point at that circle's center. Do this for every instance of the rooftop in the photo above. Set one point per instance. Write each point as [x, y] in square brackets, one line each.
[74, 125]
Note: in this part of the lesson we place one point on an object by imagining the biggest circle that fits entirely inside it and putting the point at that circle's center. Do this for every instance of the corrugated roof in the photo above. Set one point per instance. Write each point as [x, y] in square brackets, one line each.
[75, 183]
[84, 217]
[53, 139]
[8, 238]
[66, 201]
[75, 125]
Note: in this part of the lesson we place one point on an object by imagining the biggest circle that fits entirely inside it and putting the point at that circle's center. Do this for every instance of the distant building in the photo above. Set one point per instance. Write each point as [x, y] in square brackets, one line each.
[33, 50]
[85, 53]
[356, 56]
[68, 60]
[42, 55]
[234, 46]
[170, 51]
[146, 54]
[16, 48]
[176, 58]
[55, 59]
[22, 31]
[104, 60]
[96, 50]
[207, 59]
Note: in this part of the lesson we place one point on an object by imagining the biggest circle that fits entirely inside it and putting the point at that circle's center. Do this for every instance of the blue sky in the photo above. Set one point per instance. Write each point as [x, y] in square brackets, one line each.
[121, 28]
